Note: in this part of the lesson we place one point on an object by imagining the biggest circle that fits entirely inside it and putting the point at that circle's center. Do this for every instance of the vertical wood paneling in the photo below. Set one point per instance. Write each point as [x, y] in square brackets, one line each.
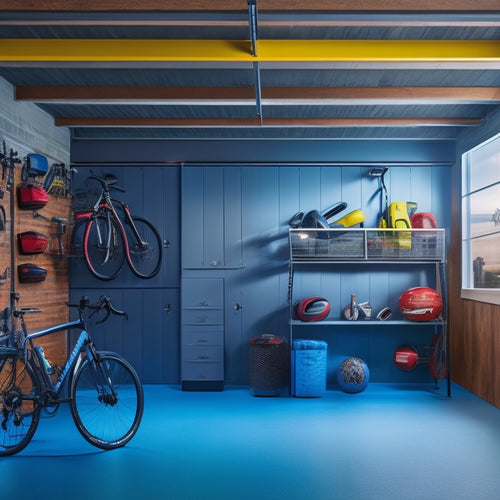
[232, 217]
[331, 188]
[50, 295]
[213, 215]
[192, 216]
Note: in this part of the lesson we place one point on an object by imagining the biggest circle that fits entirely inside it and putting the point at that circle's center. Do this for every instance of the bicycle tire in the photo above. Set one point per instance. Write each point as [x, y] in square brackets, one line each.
[103, 261]
[19, 408]
[105, 423]
[144, 261]
[77, 237]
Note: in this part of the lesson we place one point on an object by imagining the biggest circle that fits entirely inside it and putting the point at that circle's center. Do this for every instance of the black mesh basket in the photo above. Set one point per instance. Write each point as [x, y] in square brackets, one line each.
[269, 365]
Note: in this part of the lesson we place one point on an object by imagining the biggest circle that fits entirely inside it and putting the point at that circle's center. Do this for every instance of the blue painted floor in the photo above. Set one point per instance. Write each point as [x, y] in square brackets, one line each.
[389, 442]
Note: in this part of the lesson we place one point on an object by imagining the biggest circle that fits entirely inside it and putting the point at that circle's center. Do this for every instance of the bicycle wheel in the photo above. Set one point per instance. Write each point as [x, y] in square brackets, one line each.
[19, 410]
[145, 255]
[107, 401]
[77, 237]
[103, 246]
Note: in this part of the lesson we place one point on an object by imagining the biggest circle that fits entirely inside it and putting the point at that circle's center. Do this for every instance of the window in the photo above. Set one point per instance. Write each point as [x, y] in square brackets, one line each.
[481, 222]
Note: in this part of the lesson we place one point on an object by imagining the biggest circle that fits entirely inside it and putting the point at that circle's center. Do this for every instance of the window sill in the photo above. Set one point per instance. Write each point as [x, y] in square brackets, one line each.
[490, 296]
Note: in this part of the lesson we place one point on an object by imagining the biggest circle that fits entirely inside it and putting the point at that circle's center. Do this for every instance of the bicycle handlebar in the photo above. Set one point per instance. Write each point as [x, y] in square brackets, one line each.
[103, 303]
[107, 182]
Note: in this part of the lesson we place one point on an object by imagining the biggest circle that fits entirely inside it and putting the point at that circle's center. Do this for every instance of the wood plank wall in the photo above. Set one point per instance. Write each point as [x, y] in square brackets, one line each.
[49, 296]
[473, 326]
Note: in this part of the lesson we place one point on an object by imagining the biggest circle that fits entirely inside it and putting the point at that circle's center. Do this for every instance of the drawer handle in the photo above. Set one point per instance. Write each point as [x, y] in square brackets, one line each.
[203, 340]
[203, 356]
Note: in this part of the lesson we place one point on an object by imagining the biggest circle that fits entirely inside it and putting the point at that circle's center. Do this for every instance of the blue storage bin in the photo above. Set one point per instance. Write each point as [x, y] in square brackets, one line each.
[308, 368]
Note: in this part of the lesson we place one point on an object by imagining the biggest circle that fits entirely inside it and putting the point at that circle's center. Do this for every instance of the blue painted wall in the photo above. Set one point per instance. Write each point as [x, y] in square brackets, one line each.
[278, 178]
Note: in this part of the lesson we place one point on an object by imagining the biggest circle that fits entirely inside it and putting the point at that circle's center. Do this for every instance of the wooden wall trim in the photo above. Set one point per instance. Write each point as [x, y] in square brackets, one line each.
[241, 5]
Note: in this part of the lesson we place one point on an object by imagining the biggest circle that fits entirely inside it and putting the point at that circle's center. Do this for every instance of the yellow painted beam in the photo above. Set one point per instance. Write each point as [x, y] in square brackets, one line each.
[79, 50]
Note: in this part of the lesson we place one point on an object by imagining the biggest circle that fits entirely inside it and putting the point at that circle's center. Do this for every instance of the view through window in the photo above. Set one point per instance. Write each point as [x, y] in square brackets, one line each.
[481, 222]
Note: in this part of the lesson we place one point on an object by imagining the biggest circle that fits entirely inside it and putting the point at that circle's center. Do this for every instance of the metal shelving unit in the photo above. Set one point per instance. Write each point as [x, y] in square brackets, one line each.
[340, 246]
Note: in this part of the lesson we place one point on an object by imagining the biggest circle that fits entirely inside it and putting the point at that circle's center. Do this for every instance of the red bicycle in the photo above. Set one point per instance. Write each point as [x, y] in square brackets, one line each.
[108, 233]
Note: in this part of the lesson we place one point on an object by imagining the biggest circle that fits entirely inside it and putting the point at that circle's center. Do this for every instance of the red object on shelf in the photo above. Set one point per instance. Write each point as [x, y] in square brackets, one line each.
[420, 304]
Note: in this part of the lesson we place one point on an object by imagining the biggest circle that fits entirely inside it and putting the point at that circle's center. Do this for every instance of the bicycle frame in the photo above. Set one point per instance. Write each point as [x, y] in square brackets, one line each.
[83, 343]
[106, 201]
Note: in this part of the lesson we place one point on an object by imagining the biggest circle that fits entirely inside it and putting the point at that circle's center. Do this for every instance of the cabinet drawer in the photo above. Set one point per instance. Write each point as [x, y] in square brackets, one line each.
[202, 371]
[203, 336]
[202, 354]
[202, 292]
[202, 317]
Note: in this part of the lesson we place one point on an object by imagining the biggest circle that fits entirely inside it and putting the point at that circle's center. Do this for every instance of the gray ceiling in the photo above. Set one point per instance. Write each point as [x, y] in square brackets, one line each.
[157, 118]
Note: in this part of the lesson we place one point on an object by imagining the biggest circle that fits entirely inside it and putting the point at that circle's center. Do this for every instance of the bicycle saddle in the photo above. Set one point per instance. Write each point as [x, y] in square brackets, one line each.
[110, 179]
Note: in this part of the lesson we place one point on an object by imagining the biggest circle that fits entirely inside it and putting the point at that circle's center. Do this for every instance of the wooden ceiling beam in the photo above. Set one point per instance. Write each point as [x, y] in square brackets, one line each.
[267, 122]
[273, 95]
[240, 5]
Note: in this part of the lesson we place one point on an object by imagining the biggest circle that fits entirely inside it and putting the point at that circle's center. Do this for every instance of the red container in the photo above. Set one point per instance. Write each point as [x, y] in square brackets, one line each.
[32, 197]
[31, 242]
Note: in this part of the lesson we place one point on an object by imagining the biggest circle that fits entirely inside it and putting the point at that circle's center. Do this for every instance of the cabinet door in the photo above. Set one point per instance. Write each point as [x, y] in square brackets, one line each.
[148, 339]
[211, 217]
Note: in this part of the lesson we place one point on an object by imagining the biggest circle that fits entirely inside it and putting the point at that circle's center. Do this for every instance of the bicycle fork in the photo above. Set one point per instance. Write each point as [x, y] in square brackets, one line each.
[102, 381]
[108, 234]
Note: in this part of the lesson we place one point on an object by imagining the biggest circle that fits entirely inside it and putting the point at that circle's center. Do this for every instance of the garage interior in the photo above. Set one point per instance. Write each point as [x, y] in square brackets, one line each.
[221, 121]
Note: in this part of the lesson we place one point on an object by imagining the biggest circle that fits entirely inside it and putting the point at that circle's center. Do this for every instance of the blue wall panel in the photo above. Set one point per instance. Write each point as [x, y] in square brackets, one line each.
[265, 196]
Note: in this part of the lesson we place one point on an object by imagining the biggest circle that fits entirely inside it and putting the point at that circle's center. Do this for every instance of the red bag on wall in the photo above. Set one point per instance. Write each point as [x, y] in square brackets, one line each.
[32, 197]
[30, 273]
[31, 242]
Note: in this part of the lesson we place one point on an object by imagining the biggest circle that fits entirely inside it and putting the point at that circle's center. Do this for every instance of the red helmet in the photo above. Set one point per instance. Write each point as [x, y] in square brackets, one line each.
[313, 309]
[423, 220]
[405, 357]
[420, 304]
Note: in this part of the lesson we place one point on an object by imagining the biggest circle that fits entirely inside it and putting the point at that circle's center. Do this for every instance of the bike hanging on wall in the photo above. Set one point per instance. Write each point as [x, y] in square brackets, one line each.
[108, 233]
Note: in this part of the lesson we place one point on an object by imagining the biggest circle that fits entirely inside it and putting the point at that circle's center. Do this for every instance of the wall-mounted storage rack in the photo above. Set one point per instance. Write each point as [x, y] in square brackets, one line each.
[389, 245]
[331, 248]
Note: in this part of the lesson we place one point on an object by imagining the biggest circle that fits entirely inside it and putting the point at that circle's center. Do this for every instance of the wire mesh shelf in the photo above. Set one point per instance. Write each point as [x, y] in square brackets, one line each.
[346, 244]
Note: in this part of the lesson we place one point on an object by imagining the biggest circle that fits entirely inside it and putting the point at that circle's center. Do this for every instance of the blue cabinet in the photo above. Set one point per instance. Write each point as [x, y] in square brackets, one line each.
[202, 340]
[211, 217]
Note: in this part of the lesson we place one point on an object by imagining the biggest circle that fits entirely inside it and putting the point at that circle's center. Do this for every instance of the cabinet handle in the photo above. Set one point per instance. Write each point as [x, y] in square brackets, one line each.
[166, 244]
[237, 307]
[167, 308]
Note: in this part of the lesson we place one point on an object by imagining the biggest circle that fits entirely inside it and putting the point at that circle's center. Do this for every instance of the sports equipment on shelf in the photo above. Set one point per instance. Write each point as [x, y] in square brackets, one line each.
[420, 304]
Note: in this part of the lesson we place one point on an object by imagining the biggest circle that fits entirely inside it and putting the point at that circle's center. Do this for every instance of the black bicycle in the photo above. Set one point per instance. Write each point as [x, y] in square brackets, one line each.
[103, 389]
[107, 234]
